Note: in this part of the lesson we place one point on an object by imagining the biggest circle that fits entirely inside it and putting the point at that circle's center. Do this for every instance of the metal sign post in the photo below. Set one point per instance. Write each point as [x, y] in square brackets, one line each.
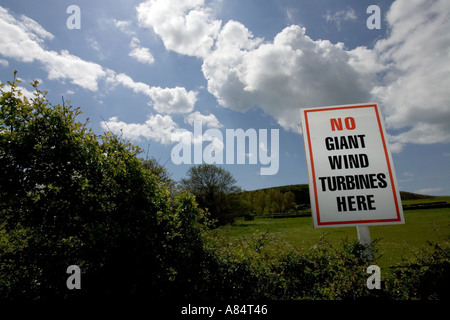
[364, 239]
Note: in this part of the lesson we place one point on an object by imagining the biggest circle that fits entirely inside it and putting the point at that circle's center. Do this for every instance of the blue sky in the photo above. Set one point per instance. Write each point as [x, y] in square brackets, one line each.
[146, 69]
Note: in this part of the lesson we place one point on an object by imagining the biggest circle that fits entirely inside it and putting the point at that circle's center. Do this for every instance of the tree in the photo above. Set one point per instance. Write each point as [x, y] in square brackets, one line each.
[70, 197]
[288, 200]
[215, 190]
[160, 171]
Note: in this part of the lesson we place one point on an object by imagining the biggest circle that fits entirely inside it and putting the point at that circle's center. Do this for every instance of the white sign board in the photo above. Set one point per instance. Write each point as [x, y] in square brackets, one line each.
[351, 174]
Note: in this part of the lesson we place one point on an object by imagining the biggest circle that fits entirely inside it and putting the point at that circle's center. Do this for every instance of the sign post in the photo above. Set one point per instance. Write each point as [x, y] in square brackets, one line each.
[351, 175]
[364, 238]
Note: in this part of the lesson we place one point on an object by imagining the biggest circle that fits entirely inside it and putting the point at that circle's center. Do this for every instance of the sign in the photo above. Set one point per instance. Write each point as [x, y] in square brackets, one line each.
[351, 174]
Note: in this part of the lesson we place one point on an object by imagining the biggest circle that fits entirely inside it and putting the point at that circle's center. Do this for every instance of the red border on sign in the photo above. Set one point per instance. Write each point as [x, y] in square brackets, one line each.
[391, 177]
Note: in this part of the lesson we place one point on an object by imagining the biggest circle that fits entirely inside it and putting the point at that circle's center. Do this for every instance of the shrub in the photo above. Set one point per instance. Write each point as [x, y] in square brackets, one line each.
[426, 278]
[70, 197]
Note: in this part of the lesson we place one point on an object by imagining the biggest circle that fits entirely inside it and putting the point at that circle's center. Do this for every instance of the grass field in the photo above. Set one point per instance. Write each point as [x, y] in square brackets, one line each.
[395, 242]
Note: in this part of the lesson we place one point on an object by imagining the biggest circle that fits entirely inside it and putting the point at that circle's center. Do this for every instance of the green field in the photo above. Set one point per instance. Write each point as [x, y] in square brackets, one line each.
[394, 242]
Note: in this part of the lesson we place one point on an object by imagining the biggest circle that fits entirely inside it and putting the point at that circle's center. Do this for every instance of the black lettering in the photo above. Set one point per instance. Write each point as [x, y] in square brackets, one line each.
[335, 162]
[353, 161]
[341, 204]
[329, 143]
[361, 201]
[350, 181]
[381, 180]
[351, 202]
[355, 203]
[363, 160]
[361, 139]
[332, 186]
[349, 161]
[371, 201]
[353, 182]
[364, 181]
[322, 180]
[352, 142]
[343, 144]
[373, 179]
[340, 181]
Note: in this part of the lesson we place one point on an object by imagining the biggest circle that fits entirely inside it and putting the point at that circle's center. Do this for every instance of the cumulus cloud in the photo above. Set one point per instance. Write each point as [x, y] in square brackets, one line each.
[64, 65]
[173, 100]
[157, 127]
[282, 76]
[414, 91]
[209, 121]
[242, 71]
[185, 26]
[141, 54]
[164, 100]
[23, 40]
[407, 72]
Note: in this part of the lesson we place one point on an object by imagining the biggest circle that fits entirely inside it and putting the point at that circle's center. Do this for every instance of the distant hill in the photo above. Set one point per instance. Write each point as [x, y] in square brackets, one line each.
[301, 192]
[412, 196]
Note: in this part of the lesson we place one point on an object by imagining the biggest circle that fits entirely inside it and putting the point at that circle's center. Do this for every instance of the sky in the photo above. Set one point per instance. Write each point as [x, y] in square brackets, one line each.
[151, 71]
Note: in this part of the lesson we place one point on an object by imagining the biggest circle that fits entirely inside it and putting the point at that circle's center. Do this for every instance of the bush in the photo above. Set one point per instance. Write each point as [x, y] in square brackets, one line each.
[245, 269]
[70, 197]
[427, 278]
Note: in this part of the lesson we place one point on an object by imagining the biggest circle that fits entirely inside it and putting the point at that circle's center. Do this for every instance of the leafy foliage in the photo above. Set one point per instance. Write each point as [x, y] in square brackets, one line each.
[427, 278]
[243, 270]
[215, 190]
[70, 197]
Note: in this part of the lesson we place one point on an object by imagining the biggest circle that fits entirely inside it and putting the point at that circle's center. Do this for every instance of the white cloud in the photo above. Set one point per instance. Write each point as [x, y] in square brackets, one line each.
[407, 72]
[173, 100]
[340, 16]
[23, 40]
[141, 54]
[282, 76]
[209, 121]
[158, 128]
[185, 26]
[4, 63]
[242, 71]
[65, 65]
[18, 40]
[414, 92]
[164, 100]
[124, 26]
[34, 29]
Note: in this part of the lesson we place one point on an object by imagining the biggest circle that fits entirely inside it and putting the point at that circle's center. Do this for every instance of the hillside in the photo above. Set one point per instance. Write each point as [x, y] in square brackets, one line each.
[301, 192]
[285, 198]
